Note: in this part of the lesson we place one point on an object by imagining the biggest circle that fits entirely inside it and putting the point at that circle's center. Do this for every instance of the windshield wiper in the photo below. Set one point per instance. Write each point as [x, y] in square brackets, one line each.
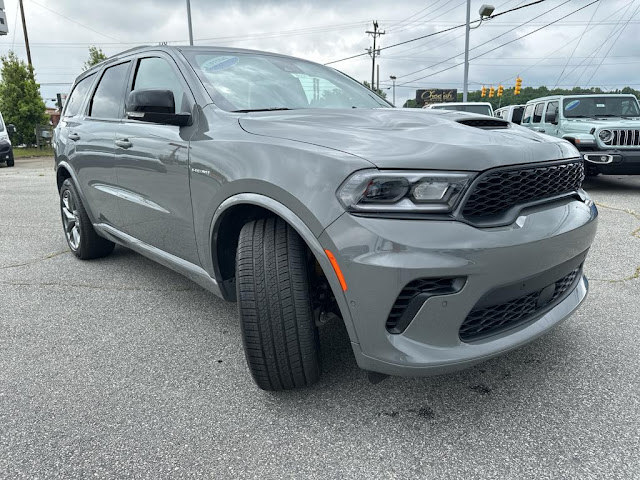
[261, 109]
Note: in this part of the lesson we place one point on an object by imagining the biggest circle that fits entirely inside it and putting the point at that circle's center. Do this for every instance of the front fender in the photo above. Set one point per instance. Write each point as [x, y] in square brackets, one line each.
[303, 230]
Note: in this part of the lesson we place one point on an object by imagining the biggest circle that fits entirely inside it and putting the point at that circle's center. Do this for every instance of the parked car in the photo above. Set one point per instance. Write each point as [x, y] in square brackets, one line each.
[605, 128]
[440, 239]
[6, 149]
[483, 108]
[510, 113]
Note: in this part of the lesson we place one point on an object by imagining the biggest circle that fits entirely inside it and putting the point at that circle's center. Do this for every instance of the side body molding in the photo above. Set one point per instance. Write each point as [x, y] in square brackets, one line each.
[303, 230]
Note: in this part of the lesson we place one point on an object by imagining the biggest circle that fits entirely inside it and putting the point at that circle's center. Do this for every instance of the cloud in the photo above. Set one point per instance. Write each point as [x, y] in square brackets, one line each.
[331, 29]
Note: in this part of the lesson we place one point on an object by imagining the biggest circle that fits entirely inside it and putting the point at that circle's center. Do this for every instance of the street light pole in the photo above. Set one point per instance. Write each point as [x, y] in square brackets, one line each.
[465, 89]
[393, 79]
[189, 20]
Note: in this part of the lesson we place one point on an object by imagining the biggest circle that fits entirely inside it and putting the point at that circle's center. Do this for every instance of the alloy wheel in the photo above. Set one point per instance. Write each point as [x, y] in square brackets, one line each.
[70, 220]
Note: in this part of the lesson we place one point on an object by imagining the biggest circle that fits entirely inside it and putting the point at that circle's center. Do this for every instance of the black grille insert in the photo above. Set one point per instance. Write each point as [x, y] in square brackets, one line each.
[413, 296]
[489, 320]
[499, 190]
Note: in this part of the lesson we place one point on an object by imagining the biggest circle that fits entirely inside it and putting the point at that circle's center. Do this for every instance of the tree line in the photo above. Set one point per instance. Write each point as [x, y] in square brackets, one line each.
[529, 93]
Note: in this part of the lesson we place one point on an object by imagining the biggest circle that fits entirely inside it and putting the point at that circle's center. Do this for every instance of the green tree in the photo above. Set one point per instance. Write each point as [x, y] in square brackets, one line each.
[20, 100]
[96, 55]
[377, 90]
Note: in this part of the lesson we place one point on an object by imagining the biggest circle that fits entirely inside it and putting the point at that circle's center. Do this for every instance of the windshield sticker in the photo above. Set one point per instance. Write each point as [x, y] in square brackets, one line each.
[600, 105]
[218, 63]
[572, 105]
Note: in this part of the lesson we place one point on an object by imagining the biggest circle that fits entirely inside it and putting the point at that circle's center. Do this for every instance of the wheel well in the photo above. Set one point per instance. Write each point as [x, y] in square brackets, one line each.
[225, 242]
[225, 245]
[61, 175]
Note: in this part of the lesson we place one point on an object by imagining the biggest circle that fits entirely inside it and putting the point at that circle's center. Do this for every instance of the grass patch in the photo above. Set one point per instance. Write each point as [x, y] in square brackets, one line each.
[32, 152]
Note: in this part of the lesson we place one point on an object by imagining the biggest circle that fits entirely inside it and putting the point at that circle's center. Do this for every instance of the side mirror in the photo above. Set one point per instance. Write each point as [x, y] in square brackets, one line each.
[11, 129]
[155, 106]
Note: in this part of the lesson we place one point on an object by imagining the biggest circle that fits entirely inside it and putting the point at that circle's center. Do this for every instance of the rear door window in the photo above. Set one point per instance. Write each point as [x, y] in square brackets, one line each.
[537, 113]
[528, 111]
[76, 99]
[108, 99]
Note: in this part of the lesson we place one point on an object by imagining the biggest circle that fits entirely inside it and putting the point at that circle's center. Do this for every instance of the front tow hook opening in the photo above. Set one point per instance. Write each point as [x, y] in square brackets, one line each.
[598, 158]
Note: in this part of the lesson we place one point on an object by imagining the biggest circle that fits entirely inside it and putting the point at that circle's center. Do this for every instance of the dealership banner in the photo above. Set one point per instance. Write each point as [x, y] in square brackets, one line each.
[436, 95]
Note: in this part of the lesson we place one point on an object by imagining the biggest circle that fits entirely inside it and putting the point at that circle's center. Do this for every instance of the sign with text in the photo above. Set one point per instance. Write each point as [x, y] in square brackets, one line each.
[436, 95]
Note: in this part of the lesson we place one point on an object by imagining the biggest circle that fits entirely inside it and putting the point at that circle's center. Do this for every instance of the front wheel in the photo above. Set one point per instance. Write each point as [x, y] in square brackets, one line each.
[272, 285]
[82, 238]
[10, 160]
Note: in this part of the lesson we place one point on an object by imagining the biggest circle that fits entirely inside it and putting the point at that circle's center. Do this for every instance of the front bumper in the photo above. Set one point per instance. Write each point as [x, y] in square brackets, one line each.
[379, 257]
[619, 161]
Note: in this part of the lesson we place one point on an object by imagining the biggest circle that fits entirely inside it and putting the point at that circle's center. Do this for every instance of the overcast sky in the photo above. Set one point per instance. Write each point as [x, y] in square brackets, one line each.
[597, 46]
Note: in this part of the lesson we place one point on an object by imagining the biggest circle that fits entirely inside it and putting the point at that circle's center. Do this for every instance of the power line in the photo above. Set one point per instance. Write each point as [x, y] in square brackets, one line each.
[482, 44]
[577, 44]
[504, 44]
[613, 43]
[74, 21]
[437, 33]
[549, 55]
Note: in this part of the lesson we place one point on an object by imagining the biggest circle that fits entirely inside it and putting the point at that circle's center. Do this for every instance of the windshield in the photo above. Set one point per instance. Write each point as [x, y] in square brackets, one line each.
[605, 106]
[253, 82]
[482, 109]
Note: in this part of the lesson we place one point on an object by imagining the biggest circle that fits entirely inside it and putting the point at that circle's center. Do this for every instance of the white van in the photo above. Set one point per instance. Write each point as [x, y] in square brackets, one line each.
[483, 108]
[6, 150]
[510, 113]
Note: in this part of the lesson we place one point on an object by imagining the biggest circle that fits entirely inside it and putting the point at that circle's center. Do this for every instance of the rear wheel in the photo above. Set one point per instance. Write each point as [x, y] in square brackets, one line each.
[272, 285]
[82, 238]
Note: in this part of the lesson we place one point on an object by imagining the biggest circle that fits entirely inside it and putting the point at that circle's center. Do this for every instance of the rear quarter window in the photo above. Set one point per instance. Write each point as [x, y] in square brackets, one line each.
[76, 99]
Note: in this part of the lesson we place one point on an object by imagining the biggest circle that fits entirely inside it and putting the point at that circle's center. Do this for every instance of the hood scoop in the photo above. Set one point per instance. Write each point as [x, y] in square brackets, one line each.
[484, 123]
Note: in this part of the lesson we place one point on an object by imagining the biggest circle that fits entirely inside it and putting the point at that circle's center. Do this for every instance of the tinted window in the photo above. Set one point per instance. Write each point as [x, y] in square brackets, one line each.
[75, 100]
[604, 106]
[537, 113]
[248, 81]
[517, 114]
[157, 73]
[108, 100]
[526, 117]
[552, 112]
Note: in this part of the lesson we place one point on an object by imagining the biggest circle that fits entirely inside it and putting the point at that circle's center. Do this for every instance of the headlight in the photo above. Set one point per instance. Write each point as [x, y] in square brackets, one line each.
[605, 136]
[400, 191]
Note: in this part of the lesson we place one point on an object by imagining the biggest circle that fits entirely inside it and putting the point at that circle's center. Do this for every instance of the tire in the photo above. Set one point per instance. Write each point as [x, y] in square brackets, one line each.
[10, 160]
[278, 330]
[81, 237]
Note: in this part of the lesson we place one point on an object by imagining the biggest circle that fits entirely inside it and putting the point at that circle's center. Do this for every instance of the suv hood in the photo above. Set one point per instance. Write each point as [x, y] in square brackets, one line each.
[421, 139]
[584, 125]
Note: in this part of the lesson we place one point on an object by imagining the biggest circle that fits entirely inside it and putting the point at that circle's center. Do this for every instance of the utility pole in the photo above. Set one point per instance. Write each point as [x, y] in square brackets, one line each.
[375, 33]
[26, 37]
[378, 78]
[188, 20]
[465, 89]
[393, 79]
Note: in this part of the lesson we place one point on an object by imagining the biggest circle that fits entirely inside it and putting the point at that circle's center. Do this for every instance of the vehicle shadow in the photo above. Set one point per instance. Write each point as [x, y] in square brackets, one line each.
[607, 183]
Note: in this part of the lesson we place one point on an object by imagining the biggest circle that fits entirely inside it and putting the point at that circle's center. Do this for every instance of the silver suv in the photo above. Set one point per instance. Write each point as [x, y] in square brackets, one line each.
[439, 238]
[604, 128]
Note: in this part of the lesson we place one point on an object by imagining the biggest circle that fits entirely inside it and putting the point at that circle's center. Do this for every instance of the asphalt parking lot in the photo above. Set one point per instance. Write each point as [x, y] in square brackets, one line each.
[120, 368]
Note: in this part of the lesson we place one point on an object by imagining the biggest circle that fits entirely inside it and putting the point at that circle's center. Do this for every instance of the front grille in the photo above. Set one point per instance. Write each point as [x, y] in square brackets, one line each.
[486, 321]
[413, 296]
[623, 137]
[499, 190]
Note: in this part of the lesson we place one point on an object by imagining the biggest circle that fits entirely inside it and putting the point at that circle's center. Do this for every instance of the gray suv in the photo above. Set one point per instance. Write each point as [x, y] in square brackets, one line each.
[439, 238]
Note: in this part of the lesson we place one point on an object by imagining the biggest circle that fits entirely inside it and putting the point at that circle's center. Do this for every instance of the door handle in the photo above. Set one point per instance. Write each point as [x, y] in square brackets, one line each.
[542, 130]
[74, 136]
[124, 143]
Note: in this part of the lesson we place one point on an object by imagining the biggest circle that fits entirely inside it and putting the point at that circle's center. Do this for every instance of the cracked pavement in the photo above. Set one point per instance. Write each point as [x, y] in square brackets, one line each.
[120, 368]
